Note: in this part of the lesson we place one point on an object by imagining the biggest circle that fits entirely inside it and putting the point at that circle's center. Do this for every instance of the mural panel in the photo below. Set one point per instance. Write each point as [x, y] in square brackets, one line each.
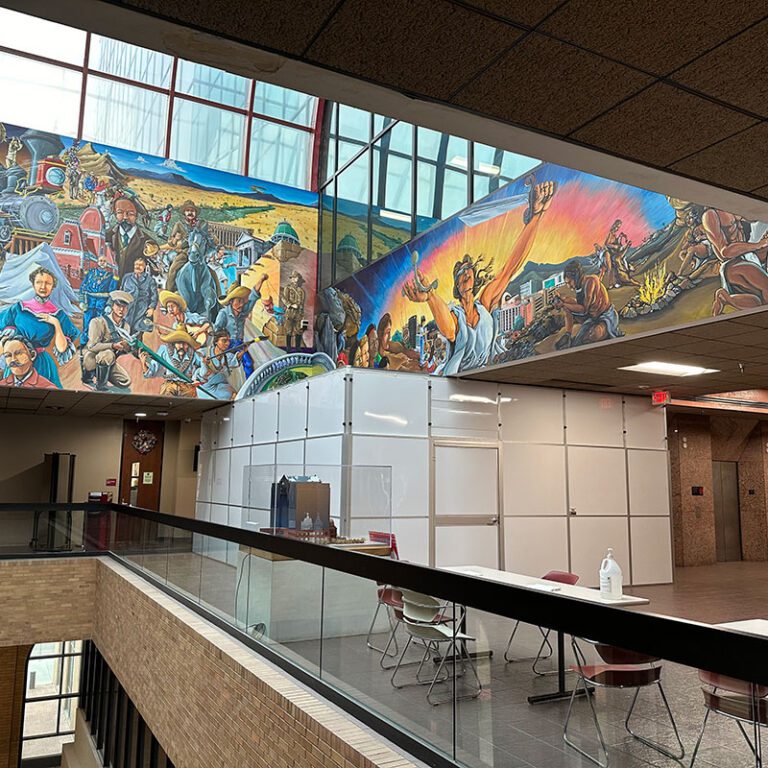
[555, 260]
[130, 273]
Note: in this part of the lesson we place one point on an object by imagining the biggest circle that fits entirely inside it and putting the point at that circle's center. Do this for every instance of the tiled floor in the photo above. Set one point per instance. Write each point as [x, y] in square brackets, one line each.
[500, 728]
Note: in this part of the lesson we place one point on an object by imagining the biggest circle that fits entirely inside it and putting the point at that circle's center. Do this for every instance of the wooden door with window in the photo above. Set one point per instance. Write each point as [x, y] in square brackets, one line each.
[141, 463]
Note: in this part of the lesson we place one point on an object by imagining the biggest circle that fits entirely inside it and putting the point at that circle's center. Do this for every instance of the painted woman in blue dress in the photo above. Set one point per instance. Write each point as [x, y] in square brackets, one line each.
[41, 322]
[469, 325]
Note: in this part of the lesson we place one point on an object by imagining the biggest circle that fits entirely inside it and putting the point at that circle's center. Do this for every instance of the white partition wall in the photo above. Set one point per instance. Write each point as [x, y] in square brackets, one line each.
[578, 471]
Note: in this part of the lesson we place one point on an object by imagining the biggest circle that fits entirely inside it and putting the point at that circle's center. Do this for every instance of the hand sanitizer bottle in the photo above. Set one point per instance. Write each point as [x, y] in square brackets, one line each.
[610, 578]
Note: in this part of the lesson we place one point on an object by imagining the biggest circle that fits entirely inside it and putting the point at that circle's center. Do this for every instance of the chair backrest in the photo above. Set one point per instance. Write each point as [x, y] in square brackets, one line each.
[421, 609]
[381, 537]
[732, 684]
[563, 577]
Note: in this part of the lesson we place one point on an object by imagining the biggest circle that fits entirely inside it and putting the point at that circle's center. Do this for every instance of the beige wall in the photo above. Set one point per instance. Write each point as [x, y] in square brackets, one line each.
[97, 443]
[179, 484]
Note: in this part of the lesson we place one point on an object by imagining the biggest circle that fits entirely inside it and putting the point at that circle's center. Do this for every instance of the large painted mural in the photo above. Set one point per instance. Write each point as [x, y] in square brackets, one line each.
[555, 260]
[134, 274]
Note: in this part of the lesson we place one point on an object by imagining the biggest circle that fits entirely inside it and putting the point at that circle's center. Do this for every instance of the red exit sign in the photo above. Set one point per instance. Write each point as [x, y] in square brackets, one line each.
[660, 397]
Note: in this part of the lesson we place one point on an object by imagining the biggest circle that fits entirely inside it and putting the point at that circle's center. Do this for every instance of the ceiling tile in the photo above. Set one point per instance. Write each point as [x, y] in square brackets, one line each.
[273, 26]
[657, 37]
[428, 47]
[529, 13]
[738, 162]
[715, 330]
[661, 125]
[736, 72]
[550, 85]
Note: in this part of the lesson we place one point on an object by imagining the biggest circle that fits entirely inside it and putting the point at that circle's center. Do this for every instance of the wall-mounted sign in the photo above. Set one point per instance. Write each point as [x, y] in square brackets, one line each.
[148, 477]
[111, 482]
[135, 469]
[660, 397]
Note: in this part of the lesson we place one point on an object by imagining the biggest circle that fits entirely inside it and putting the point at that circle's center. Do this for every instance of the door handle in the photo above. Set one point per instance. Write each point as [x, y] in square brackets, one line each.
[493, 521]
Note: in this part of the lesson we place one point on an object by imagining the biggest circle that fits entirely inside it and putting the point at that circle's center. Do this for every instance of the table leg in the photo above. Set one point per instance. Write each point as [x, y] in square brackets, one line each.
[562, 692]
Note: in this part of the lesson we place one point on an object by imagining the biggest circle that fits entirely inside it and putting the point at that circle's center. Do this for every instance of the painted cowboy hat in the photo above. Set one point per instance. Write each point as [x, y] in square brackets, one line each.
[151, 248]
[297, 274]
[180, 335]
[177, 298]
[189, 205]
[236, 292]
[121, 296]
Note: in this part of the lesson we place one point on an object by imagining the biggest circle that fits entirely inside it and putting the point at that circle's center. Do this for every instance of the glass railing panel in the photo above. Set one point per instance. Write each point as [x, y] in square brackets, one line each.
[279, 603]
[126, 532]
[218, 576]
[184, 564]
[157, 540]
[389, 663]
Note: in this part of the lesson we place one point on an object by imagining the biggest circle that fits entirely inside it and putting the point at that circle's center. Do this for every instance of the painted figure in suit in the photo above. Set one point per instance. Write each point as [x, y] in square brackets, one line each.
[126, 238]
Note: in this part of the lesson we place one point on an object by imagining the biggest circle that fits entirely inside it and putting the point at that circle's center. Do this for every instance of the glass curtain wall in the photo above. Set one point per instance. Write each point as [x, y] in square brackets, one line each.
[61, 79]
[416, 177]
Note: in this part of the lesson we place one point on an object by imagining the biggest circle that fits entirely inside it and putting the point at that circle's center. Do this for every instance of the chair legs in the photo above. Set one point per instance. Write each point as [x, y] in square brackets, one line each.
[539, 655]
[601, 740]
[754, 744]
[603, 751]
[654, 744]
[392, 638]
[441, 674]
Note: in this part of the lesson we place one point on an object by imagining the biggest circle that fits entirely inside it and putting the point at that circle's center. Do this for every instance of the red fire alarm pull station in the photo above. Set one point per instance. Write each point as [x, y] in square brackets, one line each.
[660, 397]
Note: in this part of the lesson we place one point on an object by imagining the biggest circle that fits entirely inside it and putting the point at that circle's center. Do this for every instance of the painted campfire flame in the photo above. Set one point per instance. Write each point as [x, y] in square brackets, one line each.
[653, 288]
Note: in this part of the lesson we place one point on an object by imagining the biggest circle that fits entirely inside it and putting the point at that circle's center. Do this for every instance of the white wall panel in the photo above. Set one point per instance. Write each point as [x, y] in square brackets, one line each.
[208, 430]
[590, 539]
[464, 409]
[265, 407]
[409, 460]
[259, 477]
[205, 475]
[467, 545]
[238, 460]
[217, 548]
[202, 510]
[223, 434]
[597, 481]
[531, 414]
[648, 483]
[290, 456]
[326, 415]
[412, 539]
[391, 404]
[645, 424]
[534, 479]
[292, 413]
[220, 482]
[323, 457]
[651, 550]
[593, 418]
[242, 422]
[535, 545]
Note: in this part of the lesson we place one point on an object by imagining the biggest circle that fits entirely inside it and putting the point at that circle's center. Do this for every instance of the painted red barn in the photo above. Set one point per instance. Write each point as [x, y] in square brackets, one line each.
[78, 243]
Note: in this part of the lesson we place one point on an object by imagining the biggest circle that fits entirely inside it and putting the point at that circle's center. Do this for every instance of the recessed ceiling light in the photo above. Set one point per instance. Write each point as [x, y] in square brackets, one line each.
[668, 369]
[162, 413]
[139, 414]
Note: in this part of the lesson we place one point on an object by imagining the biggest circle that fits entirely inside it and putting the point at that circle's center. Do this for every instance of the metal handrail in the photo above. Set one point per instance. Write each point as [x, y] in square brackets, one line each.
[686, 642]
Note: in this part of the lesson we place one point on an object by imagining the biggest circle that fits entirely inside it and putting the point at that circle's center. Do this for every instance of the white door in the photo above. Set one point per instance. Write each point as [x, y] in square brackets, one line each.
[465, 504]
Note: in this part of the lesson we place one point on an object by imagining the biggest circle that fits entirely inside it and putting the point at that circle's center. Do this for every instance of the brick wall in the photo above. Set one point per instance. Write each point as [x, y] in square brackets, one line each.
[13, 667]
[208, 699]
[45, 601]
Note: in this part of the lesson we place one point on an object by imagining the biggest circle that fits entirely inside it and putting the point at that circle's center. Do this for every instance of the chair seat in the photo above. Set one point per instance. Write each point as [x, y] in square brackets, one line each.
[733, 705]
[436, 632]
[619, 675]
